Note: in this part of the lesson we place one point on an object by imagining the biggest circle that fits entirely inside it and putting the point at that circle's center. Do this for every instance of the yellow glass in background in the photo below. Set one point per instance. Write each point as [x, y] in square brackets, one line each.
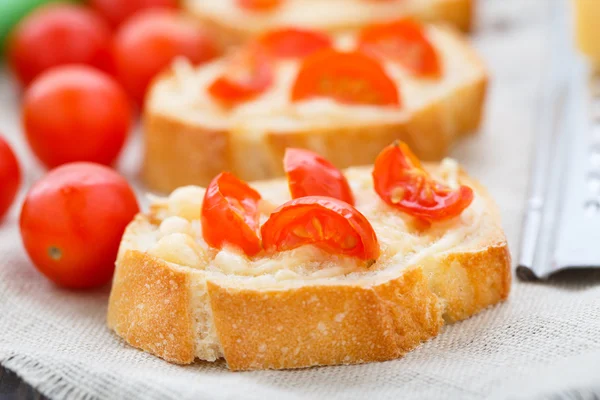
[587, 28]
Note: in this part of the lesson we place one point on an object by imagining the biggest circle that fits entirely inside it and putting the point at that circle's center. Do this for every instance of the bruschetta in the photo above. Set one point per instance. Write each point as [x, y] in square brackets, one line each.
[322, 267]
[345, 97]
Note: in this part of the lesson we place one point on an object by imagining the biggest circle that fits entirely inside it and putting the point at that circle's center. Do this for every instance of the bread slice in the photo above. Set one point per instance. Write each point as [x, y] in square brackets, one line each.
[190, 138]
[174, 297]
[233, 25]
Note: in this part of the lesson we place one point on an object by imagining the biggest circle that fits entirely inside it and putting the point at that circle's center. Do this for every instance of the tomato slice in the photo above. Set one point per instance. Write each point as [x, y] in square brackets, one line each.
[249, 74]
[230, 214]
[350, 78]
[294, 42]
[330, 224]
[404, 41]
[259, 5]
[401, 182]
[309, 174]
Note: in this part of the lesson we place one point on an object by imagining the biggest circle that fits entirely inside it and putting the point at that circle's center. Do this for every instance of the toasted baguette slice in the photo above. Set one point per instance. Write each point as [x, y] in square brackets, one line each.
[174, 297]
[233, 24]
[190, 138]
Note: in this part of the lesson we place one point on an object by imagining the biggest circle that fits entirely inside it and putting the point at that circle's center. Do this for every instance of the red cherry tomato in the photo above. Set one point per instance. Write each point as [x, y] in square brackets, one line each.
[293, 42]
[76, 113]
[10, 177]
[230, 214]
[150, 41]
[72, 222]
[117, 11]
[351, 78]
[331, 224]
[259, 5]
[405, 41]
[59, 34]
[249, 74]
[309, 174]
[402, 183]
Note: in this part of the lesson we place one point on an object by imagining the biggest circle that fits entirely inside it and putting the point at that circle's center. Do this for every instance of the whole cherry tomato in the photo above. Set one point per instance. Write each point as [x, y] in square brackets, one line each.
[330, 224]
[309, 174]
[230, 214]
[401, 182]
[10, 177]
[259, 5]
[59, 34]
[351, 78]
[76, 113]
[405, 41]
[72, 222]
[249, 73]
[117, 11]
[293, 42]
[148, 43]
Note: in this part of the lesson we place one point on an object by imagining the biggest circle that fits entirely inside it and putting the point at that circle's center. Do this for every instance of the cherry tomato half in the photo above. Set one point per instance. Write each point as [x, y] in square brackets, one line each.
[330, 224]
[72, 222]
[309, 174]
[405, 41]
[249, 73]
[117, 11]
[59, 34]
[293, 42]
[402, 183]
[76, 113]
[10, 177]
[150, 41]
[351, 78]
[259, 5]
[230, 214]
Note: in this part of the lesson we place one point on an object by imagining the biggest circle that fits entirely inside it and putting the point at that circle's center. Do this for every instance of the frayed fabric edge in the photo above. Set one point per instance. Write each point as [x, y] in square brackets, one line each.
[42, 378]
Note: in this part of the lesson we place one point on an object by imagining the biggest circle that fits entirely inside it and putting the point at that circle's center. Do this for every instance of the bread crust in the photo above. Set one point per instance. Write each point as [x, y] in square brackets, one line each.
[324, 325]
[177, 153]
[303, 327]
[181, 153]
[313, 324]
[472, 281]
[457, 13]
[149, 307]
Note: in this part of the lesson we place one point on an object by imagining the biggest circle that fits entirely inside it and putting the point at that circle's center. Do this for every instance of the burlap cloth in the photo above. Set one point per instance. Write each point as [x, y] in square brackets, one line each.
[544, 341]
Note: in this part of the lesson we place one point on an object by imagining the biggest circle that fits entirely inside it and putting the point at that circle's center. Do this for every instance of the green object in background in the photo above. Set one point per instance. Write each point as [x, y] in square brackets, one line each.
[11, 11]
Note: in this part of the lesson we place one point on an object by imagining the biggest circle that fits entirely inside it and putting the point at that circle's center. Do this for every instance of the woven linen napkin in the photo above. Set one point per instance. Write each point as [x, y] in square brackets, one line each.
[545, 341]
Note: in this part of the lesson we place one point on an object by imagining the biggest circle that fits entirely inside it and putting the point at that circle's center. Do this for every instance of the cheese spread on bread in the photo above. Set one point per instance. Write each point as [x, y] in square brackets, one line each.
[176, 234]
[185, 96]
